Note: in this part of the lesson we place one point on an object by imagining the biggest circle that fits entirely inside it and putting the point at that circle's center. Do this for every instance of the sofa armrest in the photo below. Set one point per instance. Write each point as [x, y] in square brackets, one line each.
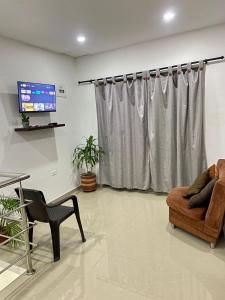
[215, 214]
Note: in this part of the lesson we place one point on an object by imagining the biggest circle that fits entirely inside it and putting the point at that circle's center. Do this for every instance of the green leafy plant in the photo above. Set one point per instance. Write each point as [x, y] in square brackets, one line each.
[87, 154]
[9, 227]
[24, 118]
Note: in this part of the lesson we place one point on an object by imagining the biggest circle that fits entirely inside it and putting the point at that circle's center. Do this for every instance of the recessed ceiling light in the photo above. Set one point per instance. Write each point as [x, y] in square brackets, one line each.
[81, 39]
[168, 16]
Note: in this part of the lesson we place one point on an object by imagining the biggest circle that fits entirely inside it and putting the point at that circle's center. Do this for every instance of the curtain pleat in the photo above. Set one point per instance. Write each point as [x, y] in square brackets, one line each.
[123, 134]
[152, 130]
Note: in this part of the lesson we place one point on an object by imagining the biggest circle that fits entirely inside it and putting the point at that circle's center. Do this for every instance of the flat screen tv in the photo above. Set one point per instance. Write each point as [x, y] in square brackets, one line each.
[36, 97]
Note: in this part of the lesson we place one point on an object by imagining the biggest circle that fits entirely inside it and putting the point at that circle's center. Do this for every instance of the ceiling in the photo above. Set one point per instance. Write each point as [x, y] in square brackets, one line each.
[107, 24]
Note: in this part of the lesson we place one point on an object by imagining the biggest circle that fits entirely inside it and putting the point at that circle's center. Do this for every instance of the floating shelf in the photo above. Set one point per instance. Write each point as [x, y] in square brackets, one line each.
[39, 127]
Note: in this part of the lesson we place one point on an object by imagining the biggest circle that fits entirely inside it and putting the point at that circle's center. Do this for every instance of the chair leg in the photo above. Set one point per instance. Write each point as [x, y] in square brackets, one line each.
[77, 214]
[55, 240]
[31, 230]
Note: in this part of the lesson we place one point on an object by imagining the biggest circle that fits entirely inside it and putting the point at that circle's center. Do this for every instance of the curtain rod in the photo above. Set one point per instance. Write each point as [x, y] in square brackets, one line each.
[130, 75]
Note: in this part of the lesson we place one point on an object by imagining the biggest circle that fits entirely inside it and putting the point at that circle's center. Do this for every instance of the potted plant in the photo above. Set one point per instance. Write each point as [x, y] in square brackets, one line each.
[87, 155]
[9, 227]
[25, 120]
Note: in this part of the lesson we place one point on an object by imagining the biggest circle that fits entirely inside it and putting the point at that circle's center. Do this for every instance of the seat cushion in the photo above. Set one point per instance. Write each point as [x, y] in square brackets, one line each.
[59, 213]
[176, 201]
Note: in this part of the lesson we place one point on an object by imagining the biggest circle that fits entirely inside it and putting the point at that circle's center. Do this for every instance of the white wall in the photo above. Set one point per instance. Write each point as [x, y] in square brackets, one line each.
[37, 152]
[40, 152]
[177, 49]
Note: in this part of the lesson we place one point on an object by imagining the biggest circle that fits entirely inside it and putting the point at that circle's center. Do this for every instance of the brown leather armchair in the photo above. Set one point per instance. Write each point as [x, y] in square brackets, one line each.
[204, 222]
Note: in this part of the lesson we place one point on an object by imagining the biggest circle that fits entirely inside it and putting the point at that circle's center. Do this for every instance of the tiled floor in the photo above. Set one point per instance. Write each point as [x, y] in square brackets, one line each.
[131, 253]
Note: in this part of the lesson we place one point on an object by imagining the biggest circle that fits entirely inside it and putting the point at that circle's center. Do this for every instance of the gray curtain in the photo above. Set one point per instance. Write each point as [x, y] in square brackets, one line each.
[123, 134]
[152, 130]
[176, 128]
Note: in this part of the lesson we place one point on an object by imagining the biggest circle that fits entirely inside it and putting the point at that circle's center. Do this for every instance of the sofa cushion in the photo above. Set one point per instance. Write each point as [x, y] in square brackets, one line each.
[176, 201]
[199, 183]
[202, 198]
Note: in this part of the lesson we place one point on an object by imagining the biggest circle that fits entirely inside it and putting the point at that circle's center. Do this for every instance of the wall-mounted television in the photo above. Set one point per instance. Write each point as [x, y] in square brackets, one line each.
[36, 97]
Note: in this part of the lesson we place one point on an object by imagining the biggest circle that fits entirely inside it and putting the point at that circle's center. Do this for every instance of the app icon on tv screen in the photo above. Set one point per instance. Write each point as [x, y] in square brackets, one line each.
[36, 97]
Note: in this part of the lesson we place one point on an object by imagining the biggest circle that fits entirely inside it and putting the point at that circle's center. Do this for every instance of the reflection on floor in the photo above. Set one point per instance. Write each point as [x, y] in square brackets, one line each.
[10, 275]
[131, 254]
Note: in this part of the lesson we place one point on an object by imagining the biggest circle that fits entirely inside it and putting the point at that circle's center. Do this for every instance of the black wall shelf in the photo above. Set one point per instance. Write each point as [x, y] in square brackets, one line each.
[39, 127]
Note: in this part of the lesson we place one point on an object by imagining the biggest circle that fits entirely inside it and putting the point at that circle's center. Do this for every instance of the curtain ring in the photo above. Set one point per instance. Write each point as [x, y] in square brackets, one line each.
[145, 75]
[201, 65]
[157, 73]
[96, 83]
[104, 81]
[124, 78]
[113, 80]
[170, 71]
[179, 69]
[189, 67]
[134, 76]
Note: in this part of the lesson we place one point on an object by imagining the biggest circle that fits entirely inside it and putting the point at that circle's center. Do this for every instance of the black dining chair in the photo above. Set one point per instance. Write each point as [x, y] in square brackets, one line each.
[53, 213]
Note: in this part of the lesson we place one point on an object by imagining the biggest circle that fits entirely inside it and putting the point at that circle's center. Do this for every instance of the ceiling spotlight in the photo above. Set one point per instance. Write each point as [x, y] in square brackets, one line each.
[81, 39]
[168, 16]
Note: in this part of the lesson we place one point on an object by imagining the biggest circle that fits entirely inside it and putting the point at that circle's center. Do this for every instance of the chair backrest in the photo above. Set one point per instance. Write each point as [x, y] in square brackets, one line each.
[215, 214]
[37, 209]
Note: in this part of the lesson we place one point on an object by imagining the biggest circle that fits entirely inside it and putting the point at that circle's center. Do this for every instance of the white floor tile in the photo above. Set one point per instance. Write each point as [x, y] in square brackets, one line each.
[131, 254]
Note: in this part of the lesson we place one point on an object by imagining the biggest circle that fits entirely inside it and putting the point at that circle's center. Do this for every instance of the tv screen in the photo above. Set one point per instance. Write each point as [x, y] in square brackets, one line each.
[36, 97]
